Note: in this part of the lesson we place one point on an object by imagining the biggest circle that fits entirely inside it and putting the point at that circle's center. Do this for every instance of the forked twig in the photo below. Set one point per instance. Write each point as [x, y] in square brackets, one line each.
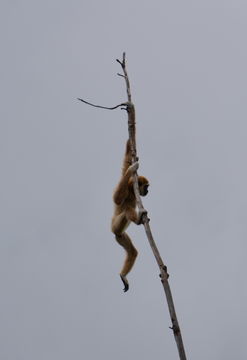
[123, 65]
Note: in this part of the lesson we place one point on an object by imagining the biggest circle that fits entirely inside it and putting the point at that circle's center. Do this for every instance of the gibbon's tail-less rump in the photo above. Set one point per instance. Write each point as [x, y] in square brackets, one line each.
[125, 211]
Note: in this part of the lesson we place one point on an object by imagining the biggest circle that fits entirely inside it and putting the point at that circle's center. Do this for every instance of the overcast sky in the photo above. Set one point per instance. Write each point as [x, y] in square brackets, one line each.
[61, 296]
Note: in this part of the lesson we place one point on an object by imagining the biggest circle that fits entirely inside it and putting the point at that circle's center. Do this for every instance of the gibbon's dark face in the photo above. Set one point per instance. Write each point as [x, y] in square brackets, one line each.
[145, 189]
[143, 185]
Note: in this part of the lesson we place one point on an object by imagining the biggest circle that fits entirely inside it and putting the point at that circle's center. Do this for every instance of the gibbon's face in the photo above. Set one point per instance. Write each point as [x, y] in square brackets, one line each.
[143, 185]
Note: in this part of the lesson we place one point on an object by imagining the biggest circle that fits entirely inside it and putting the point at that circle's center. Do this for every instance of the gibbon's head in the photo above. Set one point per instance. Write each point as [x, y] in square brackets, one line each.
[143, 185]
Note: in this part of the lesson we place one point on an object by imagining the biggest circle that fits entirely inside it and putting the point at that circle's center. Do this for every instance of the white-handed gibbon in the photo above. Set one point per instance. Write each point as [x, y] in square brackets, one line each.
[125, 211]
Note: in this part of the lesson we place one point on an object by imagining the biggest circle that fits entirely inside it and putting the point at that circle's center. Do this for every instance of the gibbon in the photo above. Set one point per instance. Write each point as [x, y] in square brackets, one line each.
[125, 211]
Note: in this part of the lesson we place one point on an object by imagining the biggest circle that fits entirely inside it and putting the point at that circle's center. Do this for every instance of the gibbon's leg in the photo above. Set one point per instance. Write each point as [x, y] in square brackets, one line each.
[119, 224]
[131, 254]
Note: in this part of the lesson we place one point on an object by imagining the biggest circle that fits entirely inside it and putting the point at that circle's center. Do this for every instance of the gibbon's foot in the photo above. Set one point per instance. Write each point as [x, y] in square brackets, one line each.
[125, 282]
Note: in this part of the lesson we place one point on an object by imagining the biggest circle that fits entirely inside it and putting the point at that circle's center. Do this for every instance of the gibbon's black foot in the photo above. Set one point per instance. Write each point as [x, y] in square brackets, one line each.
[125, 282]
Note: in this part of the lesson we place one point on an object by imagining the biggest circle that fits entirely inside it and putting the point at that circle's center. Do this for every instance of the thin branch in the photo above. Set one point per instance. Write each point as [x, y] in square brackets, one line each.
[102, 107]
[163, 269]
[123, 65]
[121, 75]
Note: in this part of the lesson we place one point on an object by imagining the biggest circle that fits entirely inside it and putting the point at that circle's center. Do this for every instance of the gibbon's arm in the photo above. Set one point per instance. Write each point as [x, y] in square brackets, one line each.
[127, 158]
[135, 217]
[122, 190]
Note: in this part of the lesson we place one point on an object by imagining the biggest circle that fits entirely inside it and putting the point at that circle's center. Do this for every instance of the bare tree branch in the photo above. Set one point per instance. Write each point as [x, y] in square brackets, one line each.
[102, 107]
[129, 106]
[163, 269]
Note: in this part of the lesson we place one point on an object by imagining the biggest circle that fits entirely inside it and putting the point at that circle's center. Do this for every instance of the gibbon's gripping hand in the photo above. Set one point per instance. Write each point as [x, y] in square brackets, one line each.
[125, 282]
[132, 168]
[140, 216]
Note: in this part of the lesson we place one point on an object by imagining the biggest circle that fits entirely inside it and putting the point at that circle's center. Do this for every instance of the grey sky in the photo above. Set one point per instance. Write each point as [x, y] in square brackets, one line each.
[61, 297]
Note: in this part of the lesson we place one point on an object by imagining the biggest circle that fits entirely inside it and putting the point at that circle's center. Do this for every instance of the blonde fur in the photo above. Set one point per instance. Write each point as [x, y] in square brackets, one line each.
[125, 211]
